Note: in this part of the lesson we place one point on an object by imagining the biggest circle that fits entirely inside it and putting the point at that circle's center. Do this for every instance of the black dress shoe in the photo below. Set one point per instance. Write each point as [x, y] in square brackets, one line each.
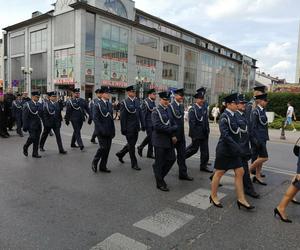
[136, 167]
[74, 146]
[4, 136]
[276, 212]
[255, 180]
[93, 141]
[105, 170]
[163, 188]
[253, 195]
[21, 135]
[150, 156]
[218, 205]
[63, 152]
[207, 170]
[25, 151]
[36, 156]
[120, 158]
[186, 178]
[261, 174]
[81, 148]
[94, 167]
[42, 149]
[140, 151]
[240, 204]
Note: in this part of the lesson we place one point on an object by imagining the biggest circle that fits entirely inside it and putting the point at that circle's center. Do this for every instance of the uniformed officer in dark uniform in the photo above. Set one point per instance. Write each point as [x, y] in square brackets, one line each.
[259, 136]
[104, 128]
[163, 139]
[148, 106]
[245, 146]
[25, 97]
[259, 90]
[76, 113]
[131, 123]
[9, 98]
[199, 130]
[176, 112]
[17, 109]
[32, 123]
[4, 113]
[52, 121]
[91, 106]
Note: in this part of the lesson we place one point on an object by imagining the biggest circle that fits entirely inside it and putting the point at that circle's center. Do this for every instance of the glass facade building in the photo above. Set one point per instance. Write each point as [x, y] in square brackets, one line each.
[110, 42]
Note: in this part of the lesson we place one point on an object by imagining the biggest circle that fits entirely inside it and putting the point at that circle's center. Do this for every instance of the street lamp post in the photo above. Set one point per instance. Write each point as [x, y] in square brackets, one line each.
[27, 72]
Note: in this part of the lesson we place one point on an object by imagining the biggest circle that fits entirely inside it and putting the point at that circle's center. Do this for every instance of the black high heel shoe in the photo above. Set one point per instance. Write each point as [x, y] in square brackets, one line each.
[296, 202]
[215, 204]
[240, 204]
[276, 212]
[255, 180]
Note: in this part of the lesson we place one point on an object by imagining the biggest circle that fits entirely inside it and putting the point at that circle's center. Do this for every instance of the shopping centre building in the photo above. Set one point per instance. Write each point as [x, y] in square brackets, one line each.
[91, 43]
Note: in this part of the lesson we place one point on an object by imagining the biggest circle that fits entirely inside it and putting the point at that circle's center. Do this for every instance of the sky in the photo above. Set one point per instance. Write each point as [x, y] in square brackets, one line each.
[266, 30]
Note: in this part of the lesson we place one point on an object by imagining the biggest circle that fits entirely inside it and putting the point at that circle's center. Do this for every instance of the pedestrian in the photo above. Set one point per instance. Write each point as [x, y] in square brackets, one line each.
[9, 98]
[148, 106]
[245, 146]
[176, 114]
[228, 154]
[199, 130]
[17, 110]
[4, 114]
[131, 123]
[290, 114]
[76, 113]
[259, 135]
[32, 111]
[104, 128]
[52, 121]
[291, 192]
[25, 97]
[163, 139]
[215, 113]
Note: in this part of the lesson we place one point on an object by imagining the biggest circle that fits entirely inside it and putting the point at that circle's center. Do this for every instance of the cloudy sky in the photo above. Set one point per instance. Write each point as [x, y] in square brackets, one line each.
[263, 29]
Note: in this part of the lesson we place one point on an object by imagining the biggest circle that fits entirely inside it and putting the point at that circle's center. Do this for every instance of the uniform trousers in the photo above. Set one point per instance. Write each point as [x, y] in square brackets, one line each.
[148, 141]
[57, 135]
[164, 160]
[19, 124]
[180, 149]
[130, 147]
[76, 137]
[103, 151]
[193, 149]
[34, 138]
[248, 185]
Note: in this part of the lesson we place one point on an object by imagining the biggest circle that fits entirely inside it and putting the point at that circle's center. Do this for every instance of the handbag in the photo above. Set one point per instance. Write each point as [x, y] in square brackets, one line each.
[297, 147]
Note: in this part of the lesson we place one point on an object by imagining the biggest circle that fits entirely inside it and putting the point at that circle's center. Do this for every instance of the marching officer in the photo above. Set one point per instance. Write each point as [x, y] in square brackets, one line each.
[17, 109]
[163, 139]
[91, 106]
[148, 107]
[52, 121]
[199, 130]
[32, 111]
[131, 121]
[4, 113]
[104, 128]
[76, 113]
[176, 113]
[245, 146]
[260, 136]
[25, 97]
[9, 98]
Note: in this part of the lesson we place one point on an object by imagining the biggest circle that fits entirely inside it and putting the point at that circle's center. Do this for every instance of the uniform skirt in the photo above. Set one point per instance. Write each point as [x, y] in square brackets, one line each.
[227, 163]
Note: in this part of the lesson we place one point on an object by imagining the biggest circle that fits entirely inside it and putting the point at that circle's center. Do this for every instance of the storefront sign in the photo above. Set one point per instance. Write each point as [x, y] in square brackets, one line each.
[116, 84]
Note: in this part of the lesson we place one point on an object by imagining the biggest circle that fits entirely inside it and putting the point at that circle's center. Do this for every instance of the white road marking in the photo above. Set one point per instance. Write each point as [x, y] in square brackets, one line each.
[199, 198]
[119, 241]
[165, 222]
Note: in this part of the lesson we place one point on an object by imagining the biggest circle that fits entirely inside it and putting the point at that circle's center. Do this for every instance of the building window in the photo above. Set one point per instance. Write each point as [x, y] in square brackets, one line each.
[145, 40]
[188, 38]
[64, 66]
[38, 62]
[17, 76]
[190, 71]
[116, 7]
[170, 71]
[38, 41]
[114, 56]
[146, 72]
[90, 48]
[17, 45]
[171, 48]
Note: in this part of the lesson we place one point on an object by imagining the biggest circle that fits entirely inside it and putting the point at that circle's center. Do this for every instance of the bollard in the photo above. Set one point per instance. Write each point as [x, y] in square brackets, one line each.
[282, 136]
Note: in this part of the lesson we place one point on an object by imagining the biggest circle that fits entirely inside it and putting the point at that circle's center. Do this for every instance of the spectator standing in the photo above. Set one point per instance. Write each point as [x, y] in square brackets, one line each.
[290, 114]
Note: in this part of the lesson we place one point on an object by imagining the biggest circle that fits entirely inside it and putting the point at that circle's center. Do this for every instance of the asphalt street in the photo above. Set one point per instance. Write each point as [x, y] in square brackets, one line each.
[57, 202]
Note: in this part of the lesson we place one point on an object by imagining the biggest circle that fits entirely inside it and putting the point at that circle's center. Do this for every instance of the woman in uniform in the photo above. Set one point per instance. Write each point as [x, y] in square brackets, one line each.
[288, 197]
[228, 154]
